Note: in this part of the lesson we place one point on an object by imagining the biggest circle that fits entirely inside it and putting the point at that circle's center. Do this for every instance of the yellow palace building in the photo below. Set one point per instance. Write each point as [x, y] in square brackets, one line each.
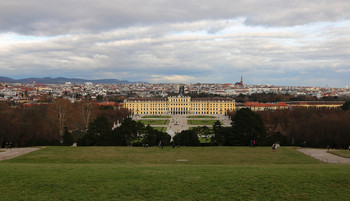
[179, 105]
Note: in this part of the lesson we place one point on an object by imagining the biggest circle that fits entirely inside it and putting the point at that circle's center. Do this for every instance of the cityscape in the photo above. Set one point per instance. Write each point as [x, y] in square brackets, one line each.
[33, 92]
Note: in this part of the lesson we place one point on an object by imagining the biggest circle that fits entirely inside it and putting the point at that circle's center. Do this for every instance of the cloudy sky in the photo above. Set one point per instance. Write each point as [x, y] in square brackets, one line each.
[297, 42]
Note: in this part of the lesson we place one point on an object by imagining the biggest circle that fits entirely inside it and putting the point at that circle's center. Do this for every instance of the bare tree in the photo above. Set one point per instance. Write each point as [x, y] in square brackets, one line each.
[60, 111]
[88, 110]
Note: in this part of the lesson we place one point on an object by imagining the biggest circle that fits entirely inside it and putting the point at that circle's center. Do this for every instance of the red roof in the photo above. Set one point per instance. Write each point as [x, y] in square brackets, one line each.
[282, 104]
[108, 104]
[257, 104]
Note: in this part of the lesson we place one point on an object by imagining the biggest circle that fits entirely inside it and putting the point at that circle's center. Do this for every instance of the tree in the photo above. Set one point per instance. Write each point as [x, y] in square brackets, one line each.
[187, 138]
[153, 136]
[99, 133]
[67, 138]
[224, 135]
[203, 131]
[87, 111]
[113, 114]
[128, 132]
[60, 112]
[8, 123]
[218, 137]
[249, 126]
[346, 106]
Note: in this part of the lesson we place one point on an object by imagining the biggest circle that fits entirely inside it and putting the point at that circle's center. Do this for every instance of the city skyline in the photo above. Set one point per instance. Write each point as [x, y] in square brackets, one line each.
[298, 43]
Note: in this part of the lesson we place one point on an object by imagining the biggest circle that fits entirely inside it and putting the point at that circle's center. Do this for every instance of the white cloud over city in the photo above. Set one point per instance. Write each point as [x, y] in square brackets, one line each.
[271, 42]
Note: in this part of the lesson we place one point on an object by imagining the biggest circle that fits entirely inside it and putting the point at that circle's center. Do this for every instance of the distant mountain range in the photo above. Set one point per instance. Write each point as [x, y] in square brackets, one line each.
[61, 80]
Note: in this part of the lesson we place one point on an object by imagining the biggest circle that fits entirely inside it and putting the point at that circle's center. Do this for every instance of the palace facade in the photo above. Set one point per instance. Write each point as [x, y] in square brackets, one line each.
[179, 105]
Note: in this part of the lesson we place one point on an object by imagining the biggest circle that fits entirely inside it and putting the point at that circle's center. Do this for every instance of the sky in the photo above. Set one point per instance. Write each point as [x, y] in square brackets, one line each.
[277, 42]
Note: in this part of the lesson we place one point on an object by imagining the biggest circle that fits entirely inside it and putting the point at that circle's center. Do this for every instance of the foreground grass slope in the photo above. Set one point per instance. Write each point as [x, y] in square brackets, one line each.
[186, 173]
[168, 155]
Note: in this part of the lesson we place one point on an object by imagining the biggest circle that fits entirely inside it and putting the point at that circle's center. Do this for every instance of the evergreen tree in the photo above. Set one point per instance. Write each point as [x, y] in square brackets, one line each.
[248, 126]
[187, 138]
[99, 133]
[67, 138]
[224, 135]
[152, 137]
[346, 106]
[128, 132]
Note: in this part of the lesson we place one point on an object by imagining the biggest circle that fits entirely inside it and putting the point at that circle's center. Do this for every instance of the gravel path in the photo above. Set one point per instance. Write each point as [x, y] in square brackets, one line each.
[322, 155]
[14, 152]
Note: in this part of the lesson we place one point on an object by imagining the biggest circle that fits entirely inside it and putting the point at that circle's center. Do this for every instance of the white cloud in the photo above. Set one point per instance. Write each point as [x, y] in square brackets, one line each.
[172, 79]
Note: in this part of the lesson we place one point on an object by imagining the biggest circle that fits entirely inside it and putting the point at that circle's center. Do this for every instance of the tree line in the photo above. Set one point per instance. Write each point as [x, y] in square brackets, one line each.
[309, 127]
[46, 123]
[88, 124]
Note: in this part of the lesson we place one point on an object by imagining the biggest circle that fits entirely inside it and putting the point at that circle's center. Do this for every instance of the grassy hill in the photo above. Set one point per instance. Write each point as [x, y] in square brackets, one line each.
[185, 173]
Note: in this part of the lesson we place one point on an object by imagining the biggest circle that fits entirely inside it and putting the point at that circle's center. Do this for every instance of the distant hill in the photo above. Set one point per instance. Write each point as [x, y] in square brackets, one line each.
[61, 80]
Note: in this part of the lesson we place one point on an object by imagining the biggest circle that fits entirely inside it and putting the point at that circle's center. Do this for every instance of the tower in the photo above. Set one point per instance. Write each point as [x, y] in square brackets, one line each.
[241, 80]
[181, 90]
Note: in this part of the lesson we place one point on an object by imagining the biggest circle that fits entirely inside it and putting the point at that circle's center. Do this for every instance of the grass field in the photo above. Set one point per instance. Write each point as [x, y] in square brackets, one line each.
[185, 173]
[201, 122]
[161, 129]
[201, 116]
[157, 116]
[342, 153]
[154, 122]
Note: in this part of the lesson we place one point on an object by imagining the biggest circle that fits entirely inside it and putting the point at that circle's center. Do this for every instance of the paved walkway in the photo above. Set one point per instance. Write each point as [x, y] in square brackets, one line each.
[322, 155]
[14, 152]
[178, 122]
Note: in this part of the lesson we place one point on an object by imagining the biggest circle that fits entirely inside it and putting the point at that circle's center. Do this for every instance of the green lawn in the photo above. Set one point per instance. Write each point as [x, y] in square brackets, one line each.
[157, 116]
[161, 129]
[201, 122]
[201, 116]
[154, 122]
[202, 140]
[342, 153]
[185, 173]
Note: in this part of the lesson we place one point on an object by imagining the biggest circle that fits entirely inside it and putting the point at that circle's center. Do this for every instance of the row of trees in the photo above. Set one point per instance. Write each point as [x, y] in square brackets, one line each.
[315, 127]
[129, 133]
[45, 124]
[303, 126]
[246, 126]
[89, 124]
[100, 133]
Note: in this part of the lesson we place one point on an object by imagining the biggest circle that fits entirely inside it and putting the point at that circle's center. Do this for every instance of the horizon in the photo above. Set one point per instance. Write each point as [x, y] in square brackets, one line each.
[298, 43]
[138, 82]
